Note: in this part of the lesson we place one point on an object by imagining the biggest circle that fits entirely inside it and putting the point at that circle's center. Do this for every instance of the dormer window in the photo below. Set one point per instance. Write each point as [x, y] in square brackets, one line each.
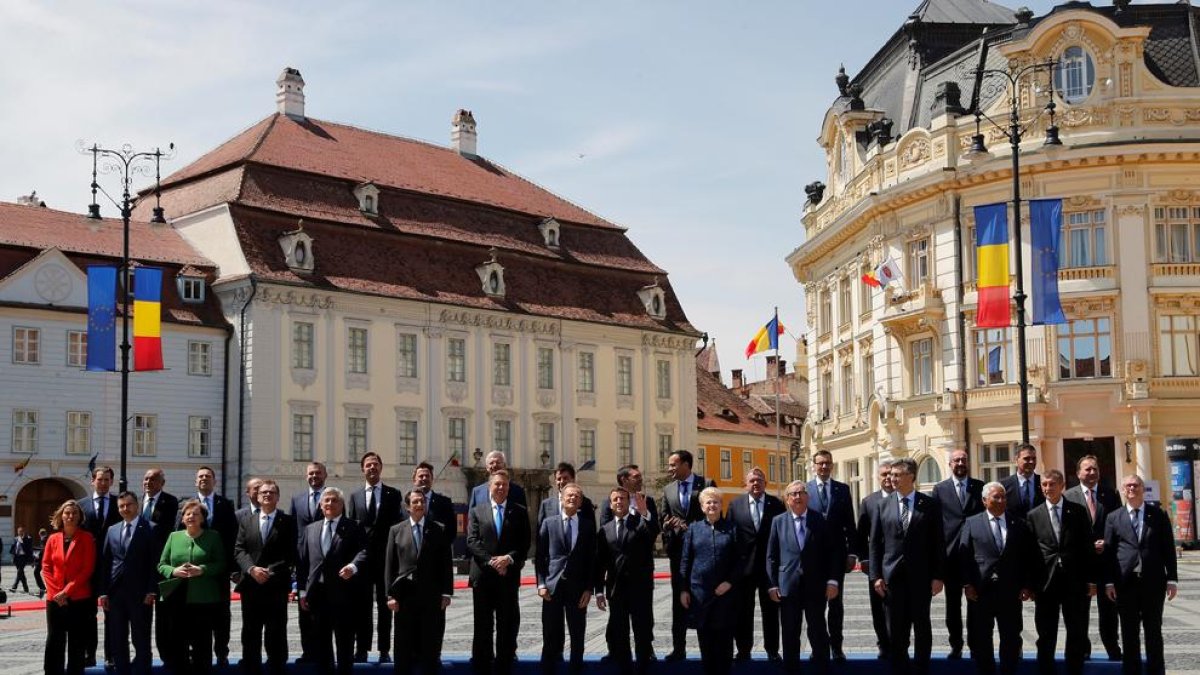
[1075, 75]
[654, 300]
[491, 275]
[190, 288]
[550, 232]
[298, 250]
[368, 198]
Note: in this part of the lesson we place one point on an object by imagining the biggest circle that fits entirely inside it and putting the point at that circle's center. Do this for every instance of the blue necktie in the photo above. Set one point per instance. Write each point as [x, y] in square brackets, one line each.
[1029, 494]
[417, 537]
[499, 519]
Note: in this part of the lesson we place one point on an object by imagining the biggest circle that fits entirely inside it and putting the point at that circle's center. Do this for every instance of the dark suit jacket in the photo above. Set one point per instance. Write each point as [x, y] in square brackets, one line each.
[441, 509]
[1156, 549]
[26, 555]
[710, 556]
[1016, 507]
[650, 518]
[1107, 501]
[838, 512]
[164, 515]
[985, 566]
[551, 506]
[1071, 556]
[413, 575]
[567, 573]
[754, 542]
[690, 512]
[483, 544]
[955, 514]
[349, 546]
[867, 511]
[301, 511]
[278, 553]
[480, 495]
[918, 551]
[625, 566]
[389, 511]
[91, 520]
[803, 572]
[131, 572]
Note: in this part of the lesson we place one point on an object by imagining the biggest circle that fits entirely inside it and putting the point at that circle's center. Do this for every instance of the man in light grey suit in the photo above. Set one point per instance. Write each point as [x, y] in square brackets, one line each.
[566, 549]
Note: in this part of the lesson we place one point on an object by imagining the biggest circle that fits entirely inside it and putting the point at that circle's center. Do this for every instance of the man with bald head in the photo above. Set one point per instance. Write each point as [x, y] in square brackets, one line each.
[495, 461]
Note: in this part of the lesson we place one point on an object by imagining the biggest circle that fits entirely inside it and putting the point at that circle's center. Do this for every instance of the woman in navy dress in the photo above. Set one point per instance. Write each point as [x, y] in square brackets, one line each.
[709, 565]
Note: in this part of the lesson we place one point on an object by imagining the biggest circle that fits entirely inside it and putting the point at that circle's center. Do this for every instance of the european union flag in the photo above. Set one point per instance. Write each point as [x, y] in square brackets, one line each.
[1045, 224]
[994, 361]
[102, 318]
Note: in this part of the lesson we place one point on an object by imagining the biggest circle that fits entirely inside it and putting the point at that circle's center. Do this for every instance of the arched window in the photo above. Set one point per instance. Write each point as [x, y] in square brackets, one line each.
[1075, 76]
[929, 473]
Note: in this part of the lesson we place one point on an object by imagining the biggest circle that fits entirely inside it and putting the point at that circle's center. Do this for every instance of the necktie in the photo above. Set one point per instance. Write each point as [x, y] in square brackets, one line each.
[962, 493]
[1091, 503]
[100, 509]
[1056, 523]
[265, 527]
[208, 505]
[126, 536]
[620, 528]
[327, 537]
[824, 498]
[314, 507]
[800, 532]
[1029, 494]
[148, 511]
[371, 510]
[997, 533]
[568, 533]
[499, 519]
[683, 494]
[905, 514]
[755, 513]
[417, 537]
[1137, 530]
[1137, 537]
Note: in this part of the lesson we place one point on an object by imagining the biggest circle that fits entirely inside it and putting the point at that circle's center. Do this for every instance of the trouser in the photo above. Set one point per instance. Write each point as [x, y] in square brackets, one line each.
[21, 580]
[747, 591]
[1141, 607]
[376, 595]
[264, 614]
[192, 628]
[37, 576]
[564, 605]
[419, 633]
[636, 611]
[1069, 598]
[495, 608]
[837, 613]
[127, 619]
[222, 618]
[907, 607]
[333, 634]
[65, 633]
[307, 633]
[953, 592]
[162, 632]
[716, 647]
[1109, 625]
[91, 632]
[879, 620]
[999, 607]
[678, 613]
[793, 612]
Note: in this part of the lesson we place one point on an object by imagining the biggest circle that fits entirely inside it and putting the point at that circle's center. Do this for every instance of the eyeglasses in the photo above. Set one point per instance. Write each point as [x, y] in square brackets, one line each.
[797, 493]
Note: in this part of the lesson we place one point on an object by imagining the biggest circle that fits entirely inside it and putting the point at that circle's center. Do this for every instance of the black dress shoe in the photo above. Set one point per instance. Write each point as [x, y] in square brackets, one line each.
[774, 658]
[838, 655]
[1114, 656]
[222, 661]
[883, 655]
[360, 658]
[743, 657]
[675, 656]
[384, 657]
[955, 653]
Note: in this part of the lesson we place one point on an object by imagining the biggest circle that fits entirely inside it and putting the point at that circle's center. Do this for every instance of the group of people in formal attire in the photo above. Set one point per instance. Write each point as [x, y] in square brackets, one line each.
[375, 564]
[27, 552]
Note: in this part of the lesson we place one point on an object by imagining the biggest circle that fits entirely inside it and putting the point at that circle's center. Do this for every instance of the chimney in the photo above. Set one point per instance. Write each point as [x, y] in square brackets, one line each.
[738, 382]
[289, 97]
[771, 367]
[782, 368]
[462, 133]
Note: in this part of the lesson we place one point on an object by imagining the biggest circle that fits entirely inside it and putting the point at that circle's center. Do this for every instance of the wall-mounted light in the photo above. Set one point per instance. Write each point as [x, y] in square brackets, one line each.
[1128, 453]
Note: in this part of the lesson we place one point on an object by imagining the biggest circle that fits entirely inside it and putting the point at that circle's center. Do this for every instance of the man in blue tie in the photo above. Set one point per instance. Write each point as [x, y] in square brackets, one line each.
[498, 541]
[832, 499]
[1024, 488]
[680, 508]
[265, 552]
[128, 585]
[377, 507]
[306, 509]
[420, 578]
[566, 551]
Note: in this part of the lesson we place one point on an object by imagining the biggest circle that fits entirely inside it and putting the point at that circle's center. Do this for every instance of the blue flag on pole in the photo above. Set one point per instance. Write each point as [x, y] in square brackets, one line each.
[1045, 224]
[102, 318]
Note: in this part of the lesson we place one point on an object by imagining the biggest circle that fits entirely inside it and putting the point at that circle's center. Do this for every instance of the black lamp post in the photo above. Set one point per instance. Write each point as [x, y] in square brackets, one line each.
[1008, 82]
[125, 164]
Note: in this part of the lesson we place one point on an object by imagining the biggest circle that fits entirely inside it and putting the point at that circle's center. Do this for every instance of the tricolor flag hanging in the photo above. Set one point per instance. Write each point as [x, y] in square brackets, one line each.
[766, 338]
[1045, 224]
[991, 245]
[870, 279]
[102, 317]
[147, 319]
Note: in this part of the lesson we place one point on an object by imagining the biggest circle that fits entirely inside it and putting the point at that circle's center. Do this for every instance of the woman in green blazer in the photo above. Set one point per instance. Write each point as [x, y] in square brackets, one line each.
[193, 564]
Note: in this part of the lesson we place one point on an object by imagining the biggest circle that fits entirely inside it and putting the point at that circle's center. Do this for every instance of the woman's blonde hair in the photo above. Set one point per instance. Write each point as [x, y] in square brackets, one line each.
[193, 504]
[56, 519]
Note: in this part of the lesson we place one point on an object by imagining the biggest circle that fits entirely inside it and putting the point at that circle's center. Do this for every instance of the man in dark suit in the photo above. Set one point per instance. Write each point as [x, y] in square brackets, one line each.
[1140, 571]
[680, 508]
[640, 504]
[625, 582]
[1024, 487]
[959, 497]
[908, 566]
[157, 506]
[832, 499]
[566, 551]
[480, 494]
[868, 510]
[266, 555]
[331, 577]
[420, 578]
[752, 516]
[1099, 501]
[804, 559]
[223, 519]
[1066, 578]
[498, 541]
[994, 549]
[377, 507]
[438, 506]
[564, 475]
[305, 510]
[99, 514]
[251, 504]
[128, 586]
[21, 550]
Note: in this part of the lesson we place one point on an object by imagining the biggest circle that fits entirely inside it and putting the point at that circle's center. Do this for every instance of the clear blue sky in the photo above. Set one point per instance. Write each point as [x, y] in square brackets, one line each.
[692, 123]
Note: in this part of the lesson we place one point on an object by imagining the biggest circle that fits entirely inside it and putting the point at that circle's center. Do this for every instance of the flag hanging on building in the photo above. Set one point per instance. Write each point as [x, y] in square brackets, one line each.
[888, 271]
[102, 318]
[147, 319]
[19, 467]
[766, 338]
[869, 278]
[991, 245]
[1045, 224]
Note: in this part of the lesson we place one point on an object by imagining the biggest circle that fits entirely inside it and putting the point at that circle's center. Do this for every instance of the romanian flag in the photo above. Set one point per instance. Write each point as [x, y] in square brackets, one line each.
[766, 338]
[991, 246]
[870, 279]
[147, 319]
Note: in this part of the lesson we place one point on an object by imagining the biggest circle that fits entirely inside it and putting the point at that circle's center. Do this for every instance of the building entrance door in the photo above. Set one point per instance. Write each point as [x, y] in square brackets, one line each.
[37, 501]
[1104, 449]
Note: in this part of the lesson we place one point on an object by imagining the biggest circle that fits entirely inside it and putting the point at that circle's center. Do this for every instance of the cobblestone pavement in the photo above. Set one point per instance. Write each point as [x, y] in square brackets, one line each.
[22, 636]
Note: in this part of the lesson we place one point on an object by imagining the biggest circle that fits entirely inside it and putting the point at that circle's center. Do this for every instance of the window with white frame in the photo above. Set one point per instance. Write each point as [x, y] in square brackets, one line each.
[546, 442]
[726, 464]
[662, 378]
[456, 435]
[847, 387]
[587, 445]
[502, 436]
[502, 364]
[1085, 349]
[1179, 346]
[145, 435]
[666, 443]
[192, 289]
[845, 297]
[1084, 240]
[587, 373]
[77, 348]
[199, 358]
[993, 360]
[929, 473]
[853, 475]
[406, 354]
[356, 350]
[79, 432]
[772, 476]
[406, 442]
[199, 436]
[996, 460]
[1074, 75]
[625, 447]
[1176, 234]
[27, 345]
[456, 360]
[624, 375]
[920, 267]
[922, 366]
[747, 460]
[302, 437]
[701, 466]
[302, 345]
[356, 437]
[825, 317]
[545, 368]
[25, 431]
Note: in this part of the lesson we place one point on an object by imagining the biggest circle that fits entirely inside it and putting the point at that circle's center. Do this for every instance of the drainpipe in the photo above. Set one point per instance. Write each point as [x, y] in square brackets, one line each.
[964, 348]
[241, 453]
[225, 404]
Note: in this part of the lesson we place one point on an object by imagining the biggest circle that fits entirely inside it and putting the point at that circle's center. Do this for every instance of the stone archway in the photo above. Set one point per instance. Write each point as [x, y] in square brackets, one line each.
[37, 501]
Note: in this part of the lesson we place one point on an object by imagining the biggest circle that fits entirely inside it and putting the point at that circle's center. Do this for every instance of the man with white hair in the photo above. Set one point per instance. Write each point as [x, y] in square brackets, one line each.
[495, 461]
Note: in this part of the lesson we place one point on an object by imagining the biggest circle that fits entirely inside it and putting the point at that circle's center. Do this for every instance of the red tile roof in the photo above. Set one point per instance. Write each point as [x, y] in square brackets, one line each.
[720, 409]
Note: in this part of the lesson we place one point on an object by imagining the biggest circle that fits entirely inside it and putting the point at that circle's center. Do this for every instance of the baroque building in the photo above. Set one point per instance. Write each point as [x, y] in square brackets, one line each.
[903, 371]
[427, 304]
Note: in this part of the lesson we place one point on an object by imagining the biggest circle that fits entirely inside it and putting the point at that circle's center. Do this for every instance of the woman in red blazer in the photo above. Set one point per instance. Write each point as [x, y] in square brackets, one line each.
[67, 565]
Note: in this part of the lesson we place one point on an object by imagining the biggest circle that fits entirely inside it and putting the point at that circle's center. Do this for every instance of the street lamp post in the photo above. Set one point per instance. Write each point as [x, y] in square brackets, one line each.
[125, 164]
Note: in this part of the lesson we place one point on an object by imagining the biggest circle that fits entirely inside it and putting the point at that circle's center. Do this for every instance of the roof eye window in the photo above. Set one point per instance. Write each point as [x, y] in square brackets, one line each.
[1075, 75]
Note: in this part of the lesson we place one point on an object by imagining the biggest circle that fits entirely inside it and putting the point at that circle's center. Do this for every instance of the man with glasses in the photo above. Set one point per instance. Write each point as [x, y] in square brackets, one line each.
[265, 553]
[1140, 572]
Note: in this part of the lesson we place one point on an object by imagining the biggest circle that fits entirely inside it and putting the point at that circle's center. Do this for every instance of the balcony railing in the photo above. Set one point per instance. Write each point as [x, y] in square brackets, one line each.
[1085, 273]
[1175, 270]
